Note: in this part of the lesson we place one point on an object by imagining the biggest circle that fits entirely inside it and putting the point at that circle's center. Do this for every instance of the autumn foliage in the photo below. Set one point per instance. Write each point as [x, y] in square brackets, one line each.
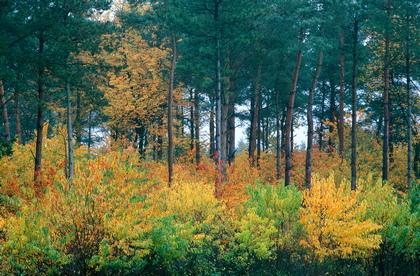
[119, 217]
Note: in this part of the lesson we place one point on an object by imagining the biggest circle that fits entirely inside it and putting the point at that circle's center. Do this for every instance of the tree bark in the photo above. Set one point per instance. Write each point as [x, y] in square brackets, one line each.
[17, 117]
[78, 120]
[192, 120]
[333, 116]
[40, 112]
[278, 127]
[255, 115]
[308, 167]
[385, 148]
[289, 119]
[354, 108]
[230, 101]
[90, 131]
[212, 134]
[7, 134]
[341, 104]
[197, 127]
[321, 125]
[409, 112]
[170, 108]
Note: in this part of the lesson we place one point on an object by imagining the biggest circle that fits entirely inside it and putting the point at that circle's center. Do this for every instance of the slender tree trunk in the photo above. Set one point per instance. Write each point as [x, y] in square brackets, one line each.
[283, 131]
[70, 164]
[354, 107]
[7, 135]
[170, 109]
[78, 119]
[255, 115]
[212, 134]
[197, 126]
[289, 119]
[416, 160]
[341, 104]
[409, 112]
[385, 148]
[333, 116]
[40, 113]
[278, 127]
[230, 111]
[308, 171]
[231, 129]
[259, 122]
[321, 124]
[90, 131]
[391, 159]
[159, 140]
[192, 120]
[219, 148]
[17, 117]
[292, 138]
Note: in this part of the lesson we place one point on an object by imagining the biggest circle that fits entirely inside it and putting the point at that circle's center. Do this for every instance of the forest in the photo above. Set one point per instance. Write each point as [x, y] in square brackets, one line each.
[162, 137]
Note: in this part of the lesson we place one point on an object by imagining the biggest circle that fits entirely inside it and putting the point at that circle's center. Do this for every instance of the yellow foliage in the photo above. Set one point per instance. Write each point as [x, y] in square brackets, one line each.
[333, 218]
[193, 202]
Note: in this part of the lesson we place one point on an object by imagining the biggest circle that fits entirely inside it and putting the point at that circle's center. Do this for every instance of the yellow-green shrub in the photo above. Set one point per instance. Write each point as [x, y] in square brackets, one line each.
[334, 220]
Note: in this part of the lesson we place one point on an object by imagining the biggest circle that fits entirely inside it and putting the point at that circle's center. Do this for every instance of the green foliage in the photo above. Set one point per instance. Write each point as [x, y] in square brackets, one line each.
[281, 206]
[116, 218]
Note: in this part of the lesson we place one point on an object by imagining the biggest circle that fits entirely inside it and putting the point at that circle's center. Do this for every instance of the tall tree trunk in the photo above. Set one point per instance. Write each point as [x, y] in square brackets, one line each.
[321, 124]
[219, 147]
[221, 109]
[90, 131]
[212, 134]
[409, 112]
[341, 104]
[333, 116]
[197, 126]
[391, 155]
[230, 101]
[416, 160]
[385, 148]
[40, 112]
[78, 119]
[259, 122]
[278, 128]
[192, 120]
[289, 119]
[70, 156]
[159, 140]
[308, 167]
[230, 111]
[7, 135]
[170, 109]
[255, 115]
[354, 107]
[17, 117]
[231, 129]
